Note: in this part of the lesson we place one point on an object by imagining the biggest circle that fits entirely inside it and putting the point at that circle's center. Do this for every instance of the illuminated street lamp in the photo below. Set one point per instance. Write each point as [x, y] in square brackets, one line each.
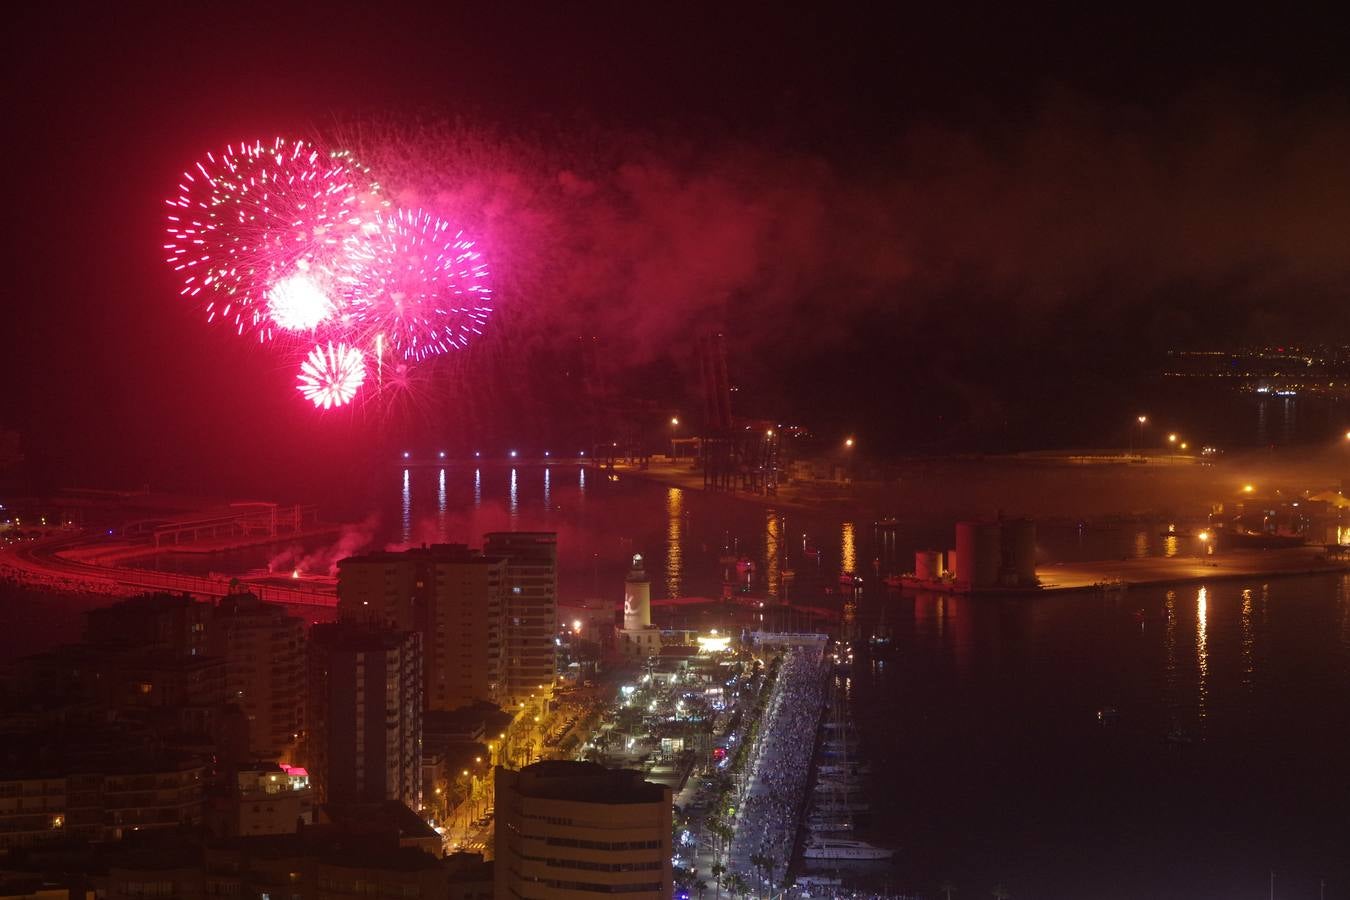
[1141, 420]
[675, 420]
[1172, 438]
[1248, 488]
[848, 442]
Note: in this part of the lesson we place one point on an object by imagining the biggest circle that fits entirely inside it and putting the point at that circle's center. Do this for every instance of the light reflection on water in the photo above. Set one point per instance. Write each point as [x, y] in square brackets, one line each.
[773, 553]
[407, 507]
[674, 541]
[1248, 639]
[849, 549]
[440, 504]
[1202, 652]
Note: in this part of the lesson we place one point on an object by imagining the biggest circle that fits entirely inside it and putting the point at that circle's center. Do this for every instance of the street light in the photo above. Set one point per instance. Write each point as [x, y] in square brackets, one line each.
[675, 420]
[848, 442]
[1172, 438]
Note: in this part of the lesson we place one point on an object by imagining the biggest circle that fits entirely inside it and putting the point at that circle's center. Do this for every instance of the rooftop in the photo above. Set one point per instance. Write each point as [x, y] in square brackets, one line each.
[587, 782]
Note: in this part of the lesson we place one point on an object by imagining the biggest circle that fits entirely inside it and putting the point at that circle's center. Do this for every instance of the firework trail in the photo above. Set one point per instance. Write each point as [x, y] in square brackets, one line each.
[263, 234]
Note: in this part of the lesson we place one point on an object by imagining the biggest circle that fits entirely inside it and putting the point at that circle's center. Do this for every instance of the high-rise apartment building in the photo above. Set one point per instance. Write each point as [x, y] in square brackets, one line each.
[531, 609]
[364, 711]
[264, 652]
[574, 829]
[173, 623]
[449, 594]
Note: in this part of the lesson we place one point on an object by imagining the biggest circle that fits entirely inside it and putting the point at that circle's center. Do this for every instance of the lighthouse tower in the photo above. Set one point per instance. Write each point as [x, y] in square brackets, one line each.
[637, 597]
[639, 638]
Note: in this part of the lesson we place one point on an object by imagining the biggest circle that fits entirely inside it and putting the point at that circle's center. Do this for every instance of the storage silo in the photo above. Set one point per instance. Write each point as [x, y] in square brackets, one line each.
[1019, 552]
[927, 565]
[978, 553]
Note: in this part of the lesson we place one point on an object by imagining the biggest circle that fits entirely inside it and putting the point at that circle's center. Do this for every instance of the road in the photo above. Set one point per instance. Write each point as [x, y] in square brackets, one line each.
[39, 562]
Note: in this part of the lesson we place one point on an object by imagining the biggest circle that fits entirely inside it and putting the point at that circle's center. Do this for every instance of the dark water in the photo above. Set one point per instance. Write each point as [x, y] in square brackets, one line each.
[984, 730]
[981, 722]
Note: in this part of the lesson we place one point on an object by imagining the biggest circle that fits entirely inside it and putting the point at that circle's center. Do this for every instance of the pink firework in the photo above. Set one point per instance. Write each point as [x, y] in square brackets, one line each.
[263, 233]
[331, 375]
[420, 285]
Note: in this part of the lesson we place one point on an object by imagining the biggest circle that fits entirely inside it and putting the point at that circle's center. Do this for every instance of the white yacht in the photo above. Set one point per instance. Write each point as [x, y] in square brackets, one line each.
[840, 807]
[829, 826]
[832, 848]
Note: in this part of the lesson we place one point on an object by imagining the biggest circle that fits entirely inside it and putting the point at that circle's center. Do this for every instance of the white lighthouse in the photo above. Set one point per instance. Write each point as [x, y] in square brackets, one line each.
[637, 597]
[640, 639]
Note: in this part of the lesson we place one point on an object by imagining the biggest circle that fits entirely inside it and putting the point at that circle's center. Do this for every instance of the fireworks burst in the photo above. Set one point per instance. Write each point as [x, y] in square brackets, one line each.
[286, 239]
[420, 285]
[298, 303]
[257, 217]
[330, 376]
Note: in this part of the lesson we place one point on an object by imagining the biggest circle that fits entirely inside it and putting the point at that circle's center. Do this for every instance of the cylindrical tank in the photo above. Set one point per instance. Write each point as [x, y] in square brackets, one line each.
[978, 553]
[637, 597]
[951, 563]
[927, 564]
[1019, 551]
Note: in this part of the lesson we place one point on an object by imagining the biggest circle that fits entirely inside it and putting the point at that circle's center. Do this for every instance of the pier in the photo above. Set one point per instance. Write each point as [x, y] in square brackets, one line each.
[1162, 571]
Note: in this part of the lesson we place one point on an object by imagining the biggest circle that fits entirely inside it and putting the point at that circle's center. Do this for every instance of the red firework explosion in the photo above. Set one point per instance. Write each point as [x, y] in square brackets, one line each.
[421, 284]
[284, 238]
[250, 221]
[331, 375]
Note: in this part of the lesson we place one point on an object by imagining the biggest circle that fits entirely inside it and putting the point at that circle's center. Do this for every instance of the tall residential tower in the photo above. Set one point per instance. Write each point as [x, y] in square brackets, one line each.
[531, 609]
[452, 597]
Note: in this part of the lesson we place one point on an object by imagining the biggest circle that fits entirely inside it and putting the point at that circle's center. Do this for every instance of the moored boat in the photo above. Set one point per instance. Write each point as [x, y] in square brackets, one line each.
[837, 849]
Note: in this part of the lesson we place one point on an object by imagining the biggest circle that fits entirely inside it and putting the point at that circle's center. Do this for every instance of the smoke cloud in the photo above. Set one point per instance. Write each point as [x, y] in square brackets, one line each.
[1221, 206]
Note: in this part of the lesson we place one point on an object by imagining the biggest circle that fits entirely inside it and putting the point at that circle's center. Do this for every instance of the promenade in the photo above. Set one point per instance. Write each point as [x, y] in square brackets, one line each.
[773, 793]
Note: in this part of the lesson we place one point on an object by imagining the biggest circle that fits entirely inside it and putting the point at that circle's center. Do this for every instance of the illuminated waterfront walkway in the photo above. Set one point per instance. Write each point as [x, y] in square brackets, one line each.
[773, 792]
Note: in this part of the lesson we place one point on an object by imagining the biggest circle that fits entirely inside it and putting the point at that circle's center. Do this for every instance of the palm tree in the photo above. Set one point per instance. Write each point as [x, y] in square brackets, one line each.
[700, 886]
[718, 870]
[757, 860]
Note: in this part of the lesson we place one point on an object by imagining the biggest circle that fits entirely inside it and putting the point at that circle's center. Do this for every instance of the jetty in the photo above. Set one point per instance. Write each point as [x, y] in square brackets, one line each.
[1166, 570]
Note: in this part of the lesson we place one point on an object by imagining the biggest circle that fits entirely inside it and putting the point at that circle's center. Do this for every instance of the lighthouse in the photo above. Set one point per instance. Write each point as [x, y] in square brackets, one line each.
[640, 639]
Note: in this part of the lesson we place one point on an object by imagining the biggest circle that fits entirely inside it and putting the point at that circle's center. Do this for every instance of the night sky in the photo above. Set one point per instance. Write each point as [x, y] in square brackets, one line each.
[909, 227]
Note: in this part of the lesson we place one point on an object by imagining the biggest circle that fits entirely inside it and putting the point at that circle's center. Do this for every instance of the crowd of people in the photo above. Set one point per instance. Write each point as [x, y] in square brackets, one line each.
[776, 780]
